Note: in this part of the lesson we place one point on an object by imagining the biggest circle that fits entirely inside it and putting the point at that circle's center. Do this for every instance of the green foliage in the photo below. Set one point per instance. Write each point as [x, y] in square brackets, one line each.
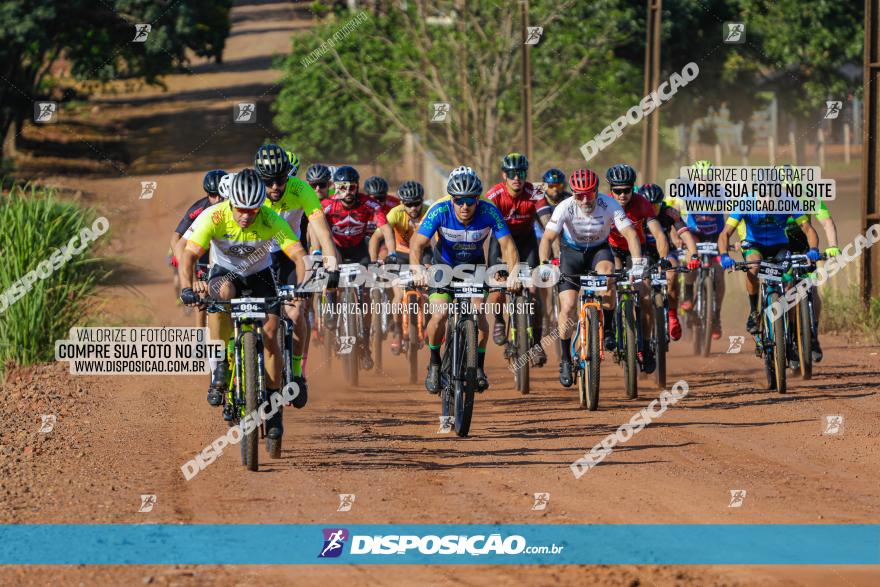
[844, 313]
[38, 225]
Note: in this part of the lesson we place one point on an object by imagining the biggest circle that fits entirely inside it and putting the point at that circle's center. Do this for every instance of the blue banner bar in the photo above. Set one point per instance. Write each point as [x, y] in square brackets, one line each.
[694, 544]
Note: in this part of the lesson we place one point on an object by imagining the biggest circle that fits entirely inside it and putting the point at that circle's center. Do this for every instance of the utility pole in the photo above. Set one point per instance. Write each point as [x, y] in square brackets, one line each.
[526, 79]
[651, 130]
[870, 185]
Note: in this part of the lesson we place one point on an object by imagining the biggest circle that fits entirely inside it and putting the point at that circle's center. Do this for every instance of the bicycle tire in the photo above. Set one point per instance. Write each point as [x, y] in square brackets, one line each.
[591, 368]
[521, 340]
[659, 344]
[464, 390]
[447, 399]
[631, 363]
[804, 338]
[412, 349]
[779, 349]
[250, 441]
[349, 330]
[708, 315]
[376, 339]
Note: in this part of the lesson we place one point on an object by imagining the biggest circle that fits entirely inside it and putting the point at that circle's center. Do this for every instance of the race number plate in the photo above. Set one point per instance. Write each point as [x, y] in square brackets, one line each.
[770, 272]
[249, 308]
[658, 278]
[404, 279]
[708, 249]
[594, 282]
[349, 269]
[467, 289]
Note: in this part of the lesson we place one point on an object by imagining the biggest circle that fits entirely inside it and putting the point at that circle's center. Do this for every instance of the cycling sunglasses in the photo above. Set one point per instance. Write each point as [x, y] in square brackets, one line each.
[414, 204]
[620, 191]
[320, 185]
[464, 201]
[591, 195]
[520, 173]
[279, 180]
[558, 186]
[344, 186]
[246, 210]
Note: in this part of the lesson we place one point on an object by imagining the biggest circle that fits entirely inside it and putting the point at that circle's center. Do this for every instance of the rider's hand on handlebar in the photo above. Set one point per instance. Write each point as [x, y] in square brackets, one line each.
[727, 262]
[665, 264]
[694, 263]
[188, 297]
[813, 255]
[639, 266]
[392, 259]
[832, 252]
[332, 279]
[513, 282]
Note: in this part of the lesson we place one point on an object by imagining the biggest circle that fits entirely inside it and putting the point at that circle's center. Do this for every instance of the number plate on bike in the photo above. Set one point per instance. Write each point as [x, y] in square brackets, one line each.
[770, 272]
[349, 269]
[467, 290]
[594, 282]
[248, 308]
[658, 278]
[708, 249]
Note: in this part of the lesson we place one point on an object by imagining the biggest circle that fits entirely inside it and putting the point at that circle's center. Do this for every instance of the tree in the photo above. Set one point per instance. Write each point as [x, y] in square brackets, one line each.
[95, 37]
[346, 97]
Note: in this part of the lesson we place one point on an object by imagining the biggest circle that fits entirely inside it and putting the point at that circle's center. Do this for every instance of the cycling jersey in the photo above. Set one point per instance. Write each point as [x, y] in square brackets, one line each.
[244, 250]
[539, 230]
[764, 229]
[349, 226]
[387, 206]
[705, 224]
[581, 230]
[519, 212]
[639, 210]
[298, 197]
[460, 243]
[404, 226]
[668, 218]
[192, 214]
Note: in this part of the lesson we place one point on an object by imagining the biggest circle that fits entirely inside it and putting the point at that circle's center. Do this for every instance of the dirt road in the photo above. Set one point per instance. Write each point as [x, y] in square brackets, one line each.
[120, 437]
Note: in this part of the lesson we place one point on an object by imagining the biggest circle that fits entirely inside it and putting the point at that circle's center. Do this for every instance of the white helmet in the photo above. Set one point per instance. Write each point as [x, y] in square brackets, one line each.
[225, 185]
[460, 169]
[247, 190]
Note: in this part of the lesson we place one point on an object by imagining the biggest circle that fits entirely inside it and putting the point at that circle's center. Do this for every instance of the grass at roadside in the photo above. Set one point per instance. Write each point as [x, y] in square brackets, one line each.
[844, 313]
[43, 292]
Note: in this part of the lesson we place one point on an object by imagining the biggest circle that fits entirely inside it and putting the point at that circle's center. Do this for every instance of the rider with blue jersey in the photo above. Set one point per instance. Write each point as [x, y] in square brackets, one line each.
[763, 237]
[462, 224]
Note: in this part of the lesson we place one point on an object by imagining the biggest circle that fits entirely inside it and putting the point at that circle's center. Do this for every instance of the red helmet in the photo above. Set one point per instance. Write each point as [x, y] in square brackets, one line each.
[584, 181]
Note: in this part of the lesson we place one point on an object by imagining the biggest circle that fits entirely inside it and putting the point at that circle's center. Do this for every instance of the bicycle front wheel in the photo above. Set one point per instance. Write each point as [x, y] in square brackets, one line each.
[412, 349]
[804, 338]
[660, 340]
[779, 350]
[521, 341]
[465, 387]
[250, 442]
[591, 369]
[707, 315]
[631, 364]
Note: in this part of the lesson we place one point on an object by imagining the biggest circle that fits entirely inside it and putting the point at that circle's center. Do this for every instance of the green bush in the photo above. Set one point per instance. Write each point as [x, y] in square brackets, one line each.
[844, 313]
[35, 226]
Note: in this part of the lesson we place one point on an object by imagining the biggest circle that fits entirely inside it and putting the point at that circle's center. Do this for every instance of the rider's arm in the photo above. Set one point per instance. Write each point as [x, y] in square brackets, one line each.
[175, 238]
[812, 236]
[388, 234]
[509, 253]
[689, 242]
[373, 245]
[545, 248]
[632, 239]
[199, 241]
[830, 230]
[660, 236]
[321, 232]
[724, 237]
[417, 244]
[179, 246]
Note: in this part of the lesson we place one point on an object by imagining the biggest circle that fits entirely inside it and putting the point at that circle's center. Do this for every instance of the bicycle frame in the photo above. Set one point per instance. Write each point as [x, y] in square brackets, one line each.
[625, 291]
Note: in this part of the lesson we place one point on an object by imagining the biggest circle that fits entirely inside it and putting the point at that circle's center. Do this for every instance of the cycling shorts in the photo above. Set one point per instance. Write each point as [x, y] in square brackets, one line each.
[767, 252]
[797, 240]
[526, 245]
[261, 284]
[356, 254]
[574, 263]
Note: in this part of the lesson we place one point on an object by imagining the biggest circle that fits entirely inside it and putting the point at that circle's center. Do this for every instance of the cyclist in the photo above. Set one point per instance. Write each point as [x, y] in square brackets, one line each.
[521, 205]
[622, 179]
[294, 163]
[349, 213]
[211, 185]
[705, 228]
[292, 198]
[238, 231]
[404, 219]
[584, 222]
[462, 224]
[672, 224]
[554, 193]
[320, 179]
[765, 238]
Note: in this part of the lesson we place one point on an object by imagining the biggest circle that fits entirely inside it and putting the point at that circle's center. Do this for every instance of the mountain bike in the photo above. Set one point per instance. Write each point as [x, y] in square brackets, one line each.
[586, 344]
[806, 324]
[771, 340]
[247, 386]
[458, 370]
[381, 323]
[658, 340]
[702, 317]
[520, 340]
[412, 324]
[628, 331]
[350, 333]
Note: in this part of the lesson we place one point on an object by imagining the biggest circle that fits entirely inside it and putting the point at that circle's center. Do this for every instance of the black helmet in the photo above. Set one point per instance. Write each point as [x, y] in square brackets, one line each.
[411, 192]
[464, 184]
[554, 175]
[514, 162]
[318, 173]
[652, 192]
[346, 173]
[211, 183]
[621, 174]
[271, 161]
[376, 186]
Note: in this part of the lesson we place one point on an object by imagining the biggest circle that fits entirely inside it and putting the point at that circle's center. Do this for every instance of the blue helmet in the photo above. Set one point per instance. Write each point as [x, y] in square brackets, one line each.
[554, 175]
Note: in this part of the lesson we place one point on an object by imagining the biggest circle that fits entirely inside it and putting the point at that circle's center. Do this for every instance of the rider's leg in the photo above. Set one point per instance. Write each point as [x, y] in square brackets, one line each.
[688, 302]
[752, 290]
[567, 321]
[397, 317]
[672, 301]
[220, 328]
[435, 331]
[497, 298]
[482, 342]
